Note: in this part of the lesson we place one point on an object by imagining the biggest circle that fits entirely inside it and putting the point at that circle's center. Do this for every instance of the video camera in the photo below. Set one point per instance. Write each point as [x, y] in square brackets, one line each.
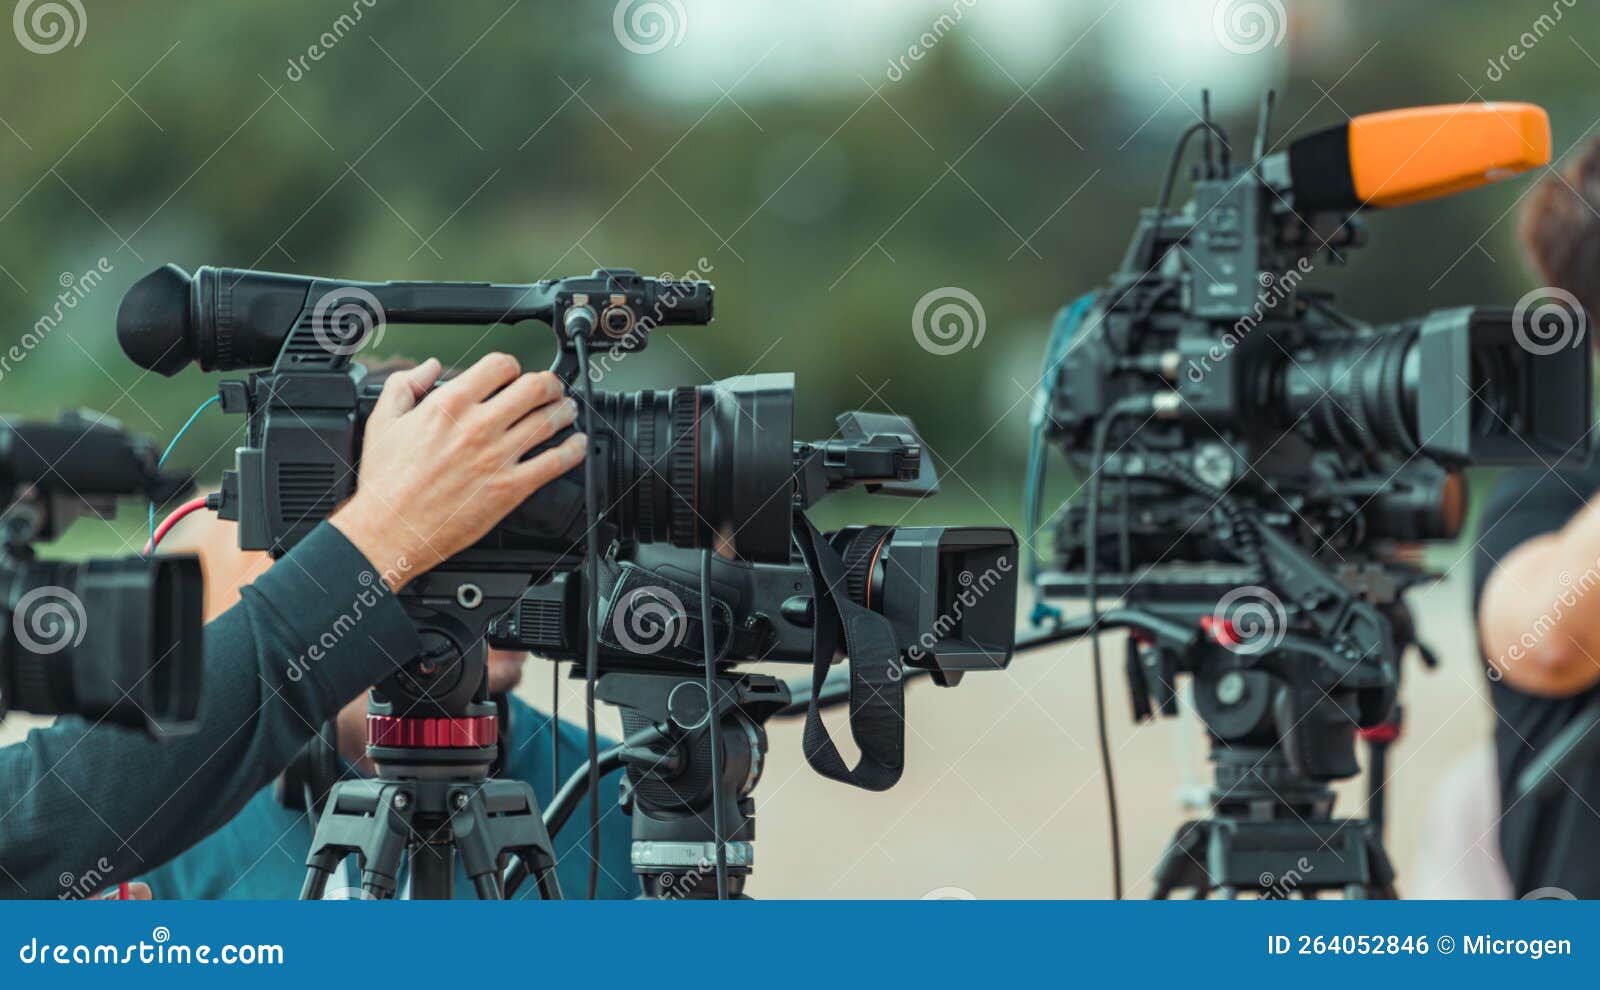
[693, 468]
[110, 639]
[1254, 435]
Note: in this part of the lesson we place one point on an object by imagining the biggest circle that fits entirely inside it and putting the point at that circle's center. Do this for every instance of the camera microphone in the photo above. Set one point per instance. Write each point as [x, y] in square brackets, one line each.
[1406, 156]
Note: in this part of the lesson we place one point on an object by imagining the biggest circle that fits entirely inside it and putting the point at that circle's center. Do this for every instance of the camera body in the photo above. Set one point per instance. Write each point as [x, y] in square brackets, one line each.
[949, 592]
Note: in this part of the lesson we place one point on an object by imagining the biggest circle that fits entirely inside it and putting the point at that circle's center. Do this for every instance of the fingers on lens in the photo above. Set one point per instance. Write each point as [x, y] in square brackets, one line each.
[552, 463]
[542, 424]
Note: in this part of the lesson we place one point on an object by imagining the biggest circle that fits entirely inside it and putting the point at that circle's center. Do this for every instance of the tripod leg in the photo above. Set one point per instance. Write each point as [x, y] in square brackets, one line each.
[502, 817]
[433, 871]
[1178, 866]
[317, 873]
[379, 872]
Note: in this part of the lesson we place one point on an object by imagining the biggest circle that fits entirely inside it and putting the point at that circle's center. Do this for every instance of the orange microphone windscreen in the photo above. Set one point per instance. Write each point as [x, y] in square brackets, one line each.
[1405, 156]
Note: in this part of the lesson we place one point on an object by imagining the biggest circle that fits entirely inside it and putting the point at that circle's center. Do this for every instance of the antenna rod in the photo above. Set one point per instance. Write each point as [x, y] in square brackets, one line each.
[1263, 118]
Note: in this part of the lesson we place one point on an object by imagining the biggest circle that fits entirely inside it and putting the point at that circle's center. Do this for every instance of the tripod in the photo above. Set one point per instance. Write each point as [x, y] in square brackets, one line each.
[432, 797]
[1271, 830]
[667, 791]
[1271, 827]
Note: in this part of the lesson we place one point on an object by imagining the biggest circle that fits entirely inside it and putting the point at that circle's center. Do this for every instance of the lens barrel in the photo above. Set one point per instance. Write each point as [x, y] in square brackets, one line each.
[1460, 386]
[689, 465]
[109, 639]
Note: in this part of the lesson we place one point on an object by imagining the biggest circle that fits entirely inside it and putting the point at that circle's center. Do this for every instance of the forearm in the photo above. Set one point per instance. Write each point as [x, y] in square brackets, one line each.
[303, 640]
[1539, 616]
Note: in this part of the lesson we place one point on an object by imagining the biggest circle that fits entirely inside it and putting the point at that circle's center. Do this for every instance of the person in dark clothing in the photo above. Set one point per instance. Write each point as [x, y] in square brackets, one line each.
[438, 471]
[1536, 584]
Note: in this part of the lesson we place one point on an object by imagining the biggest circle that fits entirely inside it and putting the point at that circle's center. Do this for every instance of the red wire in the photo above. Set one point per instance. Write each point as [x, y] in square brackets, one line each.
[193, 505]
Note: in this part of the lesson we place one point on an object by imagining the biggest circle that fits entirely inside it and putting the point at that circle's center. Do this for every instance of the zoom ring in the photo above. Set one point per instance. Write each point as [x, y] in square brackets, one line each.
[859, 556]
[681, 467]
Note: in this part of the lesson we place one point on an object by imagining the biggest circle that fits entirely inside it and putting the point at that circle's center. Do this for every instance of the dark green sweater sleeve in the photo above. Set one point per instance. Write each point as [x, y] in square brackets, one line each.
[80, 800]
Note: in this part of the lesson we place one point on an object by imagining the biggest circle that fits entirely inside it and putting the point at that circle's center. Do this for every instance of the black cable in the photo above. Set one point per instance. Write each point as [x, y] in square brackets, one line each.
[591, 565]
[1172, 178]
[708, 641]
[1102, 432]
[555, 724]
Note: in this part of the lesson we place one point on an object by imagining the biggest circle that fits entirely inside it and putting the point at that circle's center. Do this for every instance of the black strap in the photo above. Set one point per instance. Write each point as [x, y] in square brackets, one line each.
[877, 677]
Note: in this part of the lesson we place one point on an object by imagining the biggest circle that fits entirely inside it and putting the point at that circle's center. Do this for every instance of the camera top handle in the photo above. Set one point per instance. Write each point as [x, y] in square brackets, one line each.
[228, 319]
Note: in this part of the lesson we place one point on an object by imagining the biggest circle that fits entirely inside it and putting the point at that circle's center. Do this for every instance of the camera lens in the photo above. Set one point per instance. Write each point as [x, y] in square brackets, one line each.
[686, 465]
[116, 639]
[1357, 395]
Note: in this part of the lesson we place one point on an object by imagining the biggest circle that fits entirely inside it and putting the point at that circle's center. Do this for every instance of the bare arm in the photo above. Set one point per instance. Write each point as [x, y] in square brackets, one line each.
[1539, 616]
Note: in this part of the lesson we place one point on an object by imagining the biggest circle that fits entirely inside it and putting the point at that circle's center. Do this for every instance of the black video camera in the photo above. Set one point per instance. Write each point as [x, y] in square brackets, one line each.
[112, 639]
[683, 466]
[1271, 459]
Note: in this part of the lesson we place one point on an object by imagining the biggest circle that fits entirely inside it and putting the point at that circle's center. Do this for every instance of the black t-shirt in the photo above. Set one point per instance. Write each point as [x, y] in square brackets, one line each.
[1552, 841]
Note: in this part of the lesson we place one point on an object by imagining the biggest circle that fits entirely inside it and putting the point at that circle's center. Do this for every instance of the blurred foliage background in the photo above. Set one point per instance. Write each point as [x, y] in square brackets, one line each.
[830, 162]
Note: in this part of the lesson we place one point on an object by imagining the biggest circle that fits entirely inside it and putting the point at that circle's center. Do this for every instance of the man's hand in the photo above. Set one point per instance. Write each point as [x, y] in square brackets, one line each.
[440, 469]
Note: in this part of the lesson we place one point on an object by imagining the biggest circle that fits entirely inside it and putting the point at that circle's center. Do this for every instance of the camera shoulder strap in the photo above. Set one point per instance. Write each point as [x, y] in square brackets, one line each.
[877, 682]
